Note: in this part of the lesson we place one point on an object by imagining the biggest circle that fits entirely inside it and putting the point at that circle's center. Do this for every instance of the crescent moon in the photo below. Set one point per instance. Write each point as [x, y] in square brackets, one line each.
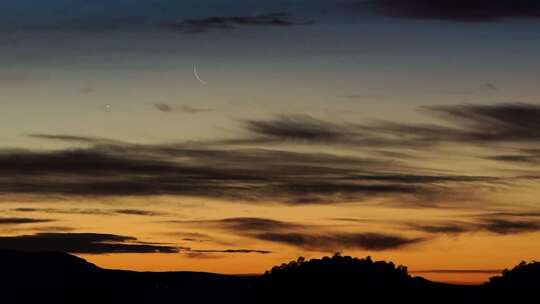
[197, 75]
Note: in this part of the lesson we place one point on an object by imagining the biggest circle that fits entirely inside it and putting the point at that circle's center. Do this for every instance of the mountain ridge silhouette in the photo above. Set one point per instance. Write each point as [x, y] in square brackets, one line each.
[52, 277]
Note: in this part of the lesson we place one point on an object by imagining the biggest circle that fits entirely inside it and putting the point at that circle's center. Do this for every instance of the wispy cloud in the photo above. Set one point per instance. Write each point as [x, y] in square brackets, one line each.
[522, 157]
[119, 169]
[185, 109]
[470, 124]
[494, 223]
[239, 224]
[337, 241]
[90, 211]
[231, 22]
[459, 271]
[234, 170]
[512, 126]
[509, 122]
[300, 127]
[308, 237]
[138, 212]
[502, 226]
[22, 220]
[458, 10]
[443, 228]
[88, 243]
[163, 107]
[230, 251]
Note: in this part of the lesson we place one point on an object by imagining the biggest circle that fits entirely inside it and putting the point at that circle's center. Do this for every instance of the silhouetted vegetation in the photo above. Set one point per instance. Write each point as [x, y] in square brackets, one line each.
[524, 275]
[521, 283]
[336, 278]
[63, 278]
[338, 264]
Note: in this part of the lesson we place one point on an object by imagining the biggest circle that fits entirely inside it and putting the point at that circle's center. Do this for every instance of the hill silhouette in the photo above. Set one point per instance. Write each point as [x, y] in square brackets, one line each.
[333, 279]
[345, 279]
[63, 278]
[519, 284]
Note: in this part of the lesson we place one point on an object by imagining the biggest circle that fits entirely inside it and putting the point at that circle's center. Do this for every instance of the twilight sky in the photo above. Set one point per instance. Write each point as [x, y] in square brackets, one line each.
[405, 130]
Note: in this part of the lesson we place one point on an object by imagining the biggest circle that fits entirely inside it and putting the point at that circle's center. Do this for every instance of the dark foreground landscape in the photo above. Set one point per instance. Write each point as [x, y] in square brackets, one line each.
[64, 278]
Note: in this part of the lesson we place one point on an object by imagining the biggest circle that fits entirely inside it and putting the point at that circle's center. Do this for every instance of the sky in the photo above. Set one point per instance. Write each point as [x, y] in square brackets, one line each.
[231, 136]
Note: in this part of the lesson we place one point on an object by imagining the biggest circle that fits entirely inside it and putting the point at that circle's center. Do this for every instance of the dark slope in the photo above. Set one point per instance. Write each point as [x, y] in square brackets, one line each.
[520, 284]
[343, 279]
[63, 278]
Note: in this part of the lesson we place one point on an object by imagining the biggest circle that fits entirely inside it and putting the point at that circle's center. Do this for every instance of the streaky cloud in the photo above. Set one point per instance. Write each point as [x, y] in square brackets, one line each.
[308, 237]
[468, 124]
[184, 109]
[333, 242]
[231, 22]
[458, 10]
[108, 168]
[494, 223]
[459, 271]
[22, 220]
[86, 243]
[230, 251]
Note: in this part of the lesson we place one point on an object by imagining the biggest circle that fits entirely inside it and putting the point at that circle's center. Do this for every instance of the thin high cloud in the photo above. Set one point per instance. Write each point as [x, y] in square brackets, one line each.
[218, 254]
[232, 22]
[474, 124]
[502, 226]
[498, 224]
[459, 271]
[530, 214]
[520, 157]
[230, 251]
[109, 168]
[194, 237]
[239, 224]
[184, 109]
[450, 228]
[300, 127]
[305, 129]
[509, 122]
[90, 211]
[458, 10]
[308, 237]
[336, 241]
[138, 212]
[488, 127]
[233, 170]
[77, 139]
[82, 243]
[163, 107]
[62, 211]
[22, 220]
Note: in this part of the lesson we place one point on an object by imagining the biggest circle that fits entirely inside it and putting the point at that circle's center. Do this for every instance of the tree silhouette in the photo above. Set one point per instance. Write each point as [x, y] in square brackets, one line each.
[335, 278]
[517, 285]
[63, 278]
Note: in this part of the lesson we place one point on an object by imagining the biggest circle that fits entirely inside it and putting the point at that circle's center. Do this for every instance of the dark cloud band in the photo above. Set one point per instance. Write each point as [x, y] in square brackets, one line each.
[231, 22]
[86, 243]
[333, 242]
[459, 10]
[233, 170]
[316, 238]
[114, 169]
[22, 220]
